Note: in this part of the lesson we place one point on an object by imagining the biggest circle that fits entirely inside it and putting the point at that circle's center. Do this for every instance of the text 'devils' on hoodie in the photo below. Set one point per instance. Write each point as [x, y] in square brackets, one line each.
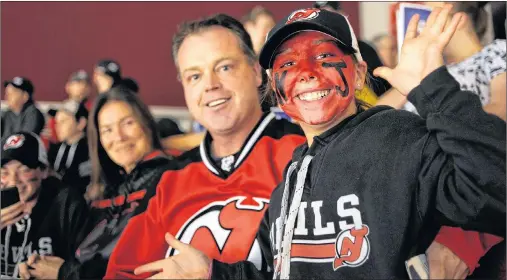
[54, 227]
[351, 208]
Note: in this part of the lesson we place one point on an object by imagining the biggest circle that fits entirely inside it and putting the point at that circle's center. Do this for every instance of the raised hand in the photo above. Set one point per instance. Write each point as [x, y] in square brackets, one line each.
[421, 53]
[11, 214]
[190, 263]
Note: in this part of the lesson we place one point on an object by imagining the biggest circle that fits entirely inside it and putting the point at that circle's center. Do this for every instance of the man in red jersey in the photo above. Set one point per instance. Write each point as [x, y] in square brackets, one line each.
[217, 198]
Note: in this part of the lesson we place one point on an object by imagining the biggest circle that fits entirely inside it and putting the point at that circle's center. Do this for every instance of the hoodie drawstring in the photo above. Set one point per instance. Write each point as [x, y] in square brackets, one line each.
[20, 252]
[291, 219]
[6, 249]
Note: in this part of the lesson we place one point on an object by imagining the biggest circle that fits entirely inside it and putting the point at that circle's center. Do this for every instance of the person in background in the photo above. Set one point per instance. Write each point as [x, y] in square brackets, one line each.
[127, 163]
[47, 217]
[106, 75]
[386, 49]
[70, 158]
[480, 69]
[258, 22]
[78, 88]
[22, 114]
[219, 193]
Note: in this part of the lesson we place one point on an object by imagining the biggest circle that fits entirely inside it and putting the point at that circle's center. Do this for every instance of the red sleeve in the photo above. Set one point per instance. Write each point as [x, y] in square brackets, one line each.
[469, 246]
[142, 241]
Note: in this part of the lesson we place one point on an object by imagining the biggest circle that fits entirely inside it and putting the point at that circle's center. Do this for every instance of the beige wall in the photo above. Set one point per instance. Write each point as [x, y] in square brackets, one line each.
[373, 18]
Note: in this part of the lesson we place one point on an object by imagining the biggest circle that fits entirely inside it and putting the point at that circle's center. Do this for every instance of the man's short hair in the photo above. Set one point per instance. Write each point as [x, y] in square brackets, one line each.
[188, 28]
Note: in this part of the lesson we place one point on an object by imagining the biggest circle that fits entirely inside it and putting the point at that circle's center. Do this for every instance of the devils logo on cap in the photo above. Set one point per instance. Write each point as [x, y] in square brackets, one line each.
[14, 141]
[303, 14]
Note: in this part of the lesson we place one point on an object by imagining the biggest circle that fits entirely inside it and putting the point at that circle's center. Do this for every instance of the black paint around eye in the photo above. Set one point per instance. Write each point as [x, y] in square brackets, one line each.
[338, 66]
[279, 81]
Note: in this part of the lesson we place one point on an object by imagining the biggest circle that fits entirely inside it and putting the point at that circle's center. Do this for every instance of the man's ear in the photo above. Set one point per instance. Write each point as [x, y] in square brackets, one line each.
[81, 124]
[26, 96]
[361, 72]
[258, 74]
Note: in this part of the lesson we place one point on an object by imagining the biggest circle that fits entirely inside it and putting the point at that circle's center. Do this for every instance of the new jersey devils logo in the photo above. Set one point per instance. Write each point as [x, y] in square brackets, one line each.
[303, 14]
[352, 247]
[14, 141]
[227, 229]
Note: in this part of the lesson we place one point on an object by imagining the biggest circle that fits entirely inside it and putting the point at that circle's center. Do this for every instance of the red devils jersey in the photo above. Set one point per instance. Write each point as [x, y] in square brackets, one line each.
[216, 207]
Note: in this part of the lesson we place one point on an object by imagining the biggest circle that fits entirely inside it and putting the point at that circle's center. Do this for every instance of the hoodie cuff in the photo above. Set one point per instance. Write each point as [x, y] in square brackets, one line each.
[435, 92]
[469, 246]
[68, 269]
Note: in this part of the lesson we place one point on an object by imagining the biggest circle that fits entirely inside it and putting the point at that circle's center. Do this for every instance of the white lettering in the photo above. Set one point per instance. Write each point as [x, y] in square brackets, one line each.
[45, 247]
[350, 212]
[319, 230]
[301, 220]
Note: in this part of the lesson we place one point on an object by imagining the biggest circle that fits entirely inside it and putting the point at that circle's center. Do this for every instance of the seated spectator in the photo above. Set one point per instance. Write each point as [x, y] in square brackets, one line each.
[78, 88]
[258, 22]
[219, 193]
[386, 49]
[46, 218]
[22, 114]
[127, 159]
[106, 75]
[70, 158]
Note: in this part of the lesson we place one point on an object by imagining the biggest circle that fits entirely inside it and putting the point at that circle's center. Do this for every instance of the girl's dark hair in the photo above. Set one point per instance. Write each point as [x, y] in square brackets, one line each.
[105, 172]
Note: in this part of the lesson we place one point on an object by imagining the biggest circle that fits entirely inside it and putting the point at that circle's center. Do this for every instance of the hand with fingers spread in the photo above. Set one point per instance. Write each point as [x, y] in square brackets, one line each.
[190, 263]
[41, 267]
[11, 214]
[421, 53]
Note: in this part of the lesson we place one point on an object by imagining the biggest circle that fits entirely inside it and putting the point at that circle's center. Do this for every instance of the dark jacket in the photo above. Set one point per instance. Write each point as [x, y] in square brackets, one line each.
[110, 216]
[53, 228]
[360, 218]
[29, 120]
[72, 163]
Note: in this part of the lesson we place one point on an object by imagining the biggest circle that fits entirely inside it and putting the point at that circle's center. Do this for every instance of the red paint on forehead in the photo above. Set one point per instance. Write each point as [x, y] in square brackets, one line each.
[303, 57]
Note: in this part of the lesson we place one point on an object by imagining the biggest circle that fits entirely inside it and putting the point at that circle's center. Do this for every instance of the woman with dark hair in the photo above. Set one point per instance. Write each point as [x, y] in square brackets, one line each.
[127, 163]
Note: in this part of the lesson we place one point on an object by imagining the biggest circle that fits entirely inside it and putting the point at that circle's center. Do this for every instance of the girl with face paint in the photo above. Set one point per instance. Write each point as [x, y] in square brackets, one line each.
[329, 219]
[314, 81]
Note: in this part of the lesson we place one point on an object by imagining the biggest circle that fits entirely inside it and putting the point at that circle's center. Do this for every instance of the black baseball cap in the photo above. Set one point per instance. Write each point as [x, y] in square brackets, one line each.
[79, 76]
[331, 23]
[110, 68]
[25, 147]
[21, 83]
[335, 5]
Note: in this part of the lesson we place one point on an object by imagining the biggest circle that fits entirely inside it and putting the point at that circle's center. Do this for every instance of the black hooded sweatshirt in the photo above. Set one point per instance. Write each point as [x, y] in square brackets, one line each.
[360, 218]
[53, 228]
[109, 217]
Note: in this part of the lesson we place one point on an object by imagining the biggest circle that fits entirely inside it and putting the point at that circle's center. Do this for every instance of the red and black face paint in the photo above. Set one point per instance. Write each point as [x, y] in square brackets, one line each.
[339, 66]
[313, 79]
[279, 84]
